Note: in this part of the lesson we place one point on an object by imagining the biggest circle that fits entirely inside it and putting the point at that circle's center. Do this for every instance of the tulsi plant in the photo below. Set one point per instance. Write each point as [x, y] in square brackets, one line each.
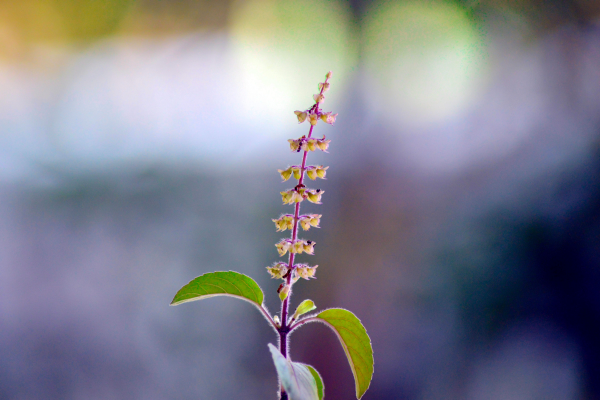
[297, 381]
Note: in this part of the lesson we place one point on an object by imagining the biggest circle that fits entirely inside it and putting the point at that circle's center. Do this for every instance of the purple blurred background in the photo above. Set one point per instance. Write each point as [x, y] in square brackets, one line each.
[139, 143]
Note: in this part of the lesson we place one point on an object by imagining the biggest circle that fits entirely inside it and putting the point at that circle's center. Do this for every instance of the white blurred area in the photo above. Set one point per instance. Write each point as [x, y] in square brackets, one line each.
[135, 161]
[221, 99]
[456, 94]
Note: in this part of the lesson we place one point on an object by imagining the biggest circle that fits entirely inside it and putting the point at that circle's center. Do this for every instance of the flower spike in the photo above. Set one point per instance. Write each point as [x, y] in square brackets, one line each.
[294, 247]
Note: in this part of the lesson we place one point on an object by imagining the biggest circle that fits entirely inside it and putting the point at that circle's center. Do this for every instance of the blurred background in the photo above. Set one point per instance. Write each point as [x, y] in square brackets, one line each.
[139, 143]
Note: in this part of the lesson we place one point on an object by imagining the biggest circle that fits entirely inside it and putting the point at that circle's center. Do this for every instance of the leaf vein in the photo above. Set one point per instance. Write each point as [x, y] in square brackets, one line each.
[252, 290]
[212, 284]
[231, 283]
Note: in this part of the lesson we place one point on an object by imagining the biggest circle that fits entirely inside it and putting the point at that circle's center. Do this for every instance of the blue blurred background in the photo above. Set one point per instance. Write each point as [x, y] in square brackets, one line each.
[139, 143]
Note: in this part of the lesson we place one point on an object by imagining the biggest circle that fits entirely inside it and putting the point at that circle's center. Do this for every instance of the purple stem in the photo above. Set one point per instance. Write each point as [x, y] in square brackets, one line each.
[285, 329]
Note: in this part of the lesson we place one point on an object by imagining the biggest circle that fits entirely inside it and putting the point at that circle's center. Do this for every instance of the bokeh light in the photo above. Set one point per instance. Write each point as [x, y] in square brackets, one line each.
[280, 44]
[425, 59]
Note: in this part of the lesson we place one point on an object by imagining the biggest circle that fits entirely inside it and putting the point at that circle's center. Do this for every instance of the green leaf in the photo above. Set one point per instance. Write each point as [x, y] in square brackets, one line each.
[213, 284]
[318, 380]
[296, 378]
[304, 307]
[356, 343]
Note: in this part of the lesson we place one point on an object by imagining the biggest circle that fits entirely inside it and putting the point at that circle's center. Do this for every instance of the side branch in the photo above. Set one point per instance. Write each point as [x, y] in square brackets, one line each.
[268, 316]
[304, 321]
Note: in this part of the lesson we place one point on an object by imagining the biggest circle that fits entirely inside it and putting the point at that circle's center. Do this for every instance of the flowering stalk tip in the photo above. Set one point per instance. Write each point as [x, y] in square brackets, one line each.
[293, 246]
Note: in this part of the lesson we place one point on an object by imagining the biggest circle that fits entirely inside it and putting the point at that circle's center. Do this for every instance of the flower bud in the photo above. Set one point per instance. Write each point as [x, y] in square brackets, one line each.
[284, 292]
[297, 196]
[304, 271]
[297, 247]
[321, 171]
[276, 320]
[309, 247]
[328, 117]
[323, 144]
[278, 225]
[301, 116]
[314, 195]
[292, 196]
[305, 222]
[319, 98]
[313, 118]
[283, 246]
[316, 171]
[315, 219]
[297, 172]
[285, 173]
[328, 76]
[295, 144]
[278, 270]
[324, 86]
[284, 222]
[289, 221]
[286, 196]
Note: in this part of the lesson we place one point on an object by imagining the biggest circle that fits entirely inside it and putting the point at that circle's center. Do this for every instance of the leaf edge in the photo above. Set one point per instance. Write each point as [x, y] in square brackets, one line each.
[202, 297]
[359, 395]
[319, 381]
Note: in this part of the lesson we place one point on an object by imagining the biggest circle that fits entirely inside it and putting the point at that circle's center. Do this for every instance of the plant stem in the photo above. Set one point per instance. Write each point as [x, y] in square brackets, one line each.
[285, 303]
[284, 330]
[302, 322]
